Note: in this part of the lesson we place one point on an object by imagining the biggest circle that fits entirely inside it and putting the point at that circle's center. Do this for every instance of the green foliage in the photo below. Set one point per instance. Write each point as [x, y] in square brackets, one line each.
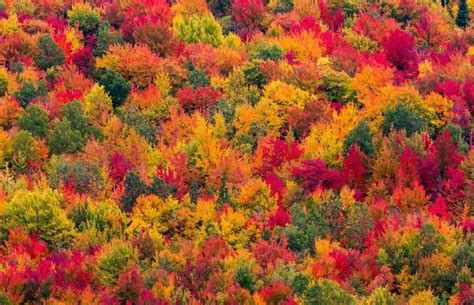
[115, 85]
[327, 292]
[34, 120]
[401, 117]
[103, 219]
[336, 86]
[359, 224]
[134, 187]
[253, 75]
[28, 91]
[64, 138]
[312, 221]
[266, 51]
[114, 260]
[245, 278]
[85, 17]
[134, 118]
[380, 296]
[198, 78]
[71, 133]
[457, 136]
[198, 29]
[50, 54]
[361, 137]
[105, 38]
[84, 177]
[40, 212]
[462, 18]
[21, 150]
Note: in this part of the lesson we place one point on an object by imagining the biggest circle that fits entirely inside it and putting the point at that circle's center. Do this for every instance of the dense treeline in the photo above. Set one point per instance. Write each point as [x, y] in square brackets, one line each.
[236, 152]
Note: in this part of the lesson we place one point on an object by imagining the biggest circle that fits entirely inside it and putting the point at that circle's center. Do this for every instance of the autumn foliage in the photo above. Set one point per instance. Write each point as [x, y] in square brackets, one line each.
[251, 152]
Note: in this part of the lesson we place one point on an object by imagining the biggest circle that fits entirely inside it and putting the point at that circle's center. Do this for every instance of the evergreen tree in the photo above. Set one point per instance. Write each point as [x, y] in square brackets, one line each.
[401, 117]
[115, 86]
[35, 120]
[49, 53]
[134, 187]
[462, 19]
[360, 136]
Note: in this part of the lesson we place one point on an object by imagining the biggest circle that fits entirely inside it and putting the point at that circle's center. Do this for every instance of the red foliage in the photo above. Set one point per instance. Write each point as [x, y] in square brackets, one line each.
[247, 16]
[334, 19]
[280, 218]
[307, 24]
[408, 170]
[199, 99]
[274, 152]
[401, 51]
[267, 253]
[440, 208]
[119, 167]
[354, 170]
[315, 174]
[84, 60]
[129, 285]
[278, 293]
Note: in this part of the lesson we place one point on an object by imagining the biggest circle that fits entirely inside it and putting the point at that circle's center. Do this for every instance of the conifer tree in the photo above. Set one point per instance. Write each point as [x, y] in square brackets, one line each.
[462, 19]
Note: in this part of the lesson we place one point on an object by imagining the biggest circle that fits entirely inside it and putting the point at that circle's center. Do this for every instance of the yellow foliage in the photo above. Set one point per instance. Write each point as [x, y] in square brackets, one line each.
[369, 82]
[187, 8]
[326, 140]
[98, 104]
[347, 197]
[306, 8]
[162, 82]
[232, 228]
[136, 63]
[425, 69]
[305, 45]
[10, 25]
[278, 98]
[244, 117]
[74, 37]
[424, 297]
[255, 196]
[323, 246]
[390, 96]
[440, 107]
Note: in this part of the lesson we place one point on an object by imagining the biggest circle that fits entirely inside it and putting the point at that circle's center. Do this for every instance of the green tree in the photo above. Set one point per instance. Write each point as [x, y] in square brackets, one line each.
[34, 120]
[113, 261]
[28, 91]
[39, 211]
[360, 136]
[401, 117]
[49, 53]
[64, 139]
[134, 187]
[116, 86]
[21, 150]
[462, 18]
